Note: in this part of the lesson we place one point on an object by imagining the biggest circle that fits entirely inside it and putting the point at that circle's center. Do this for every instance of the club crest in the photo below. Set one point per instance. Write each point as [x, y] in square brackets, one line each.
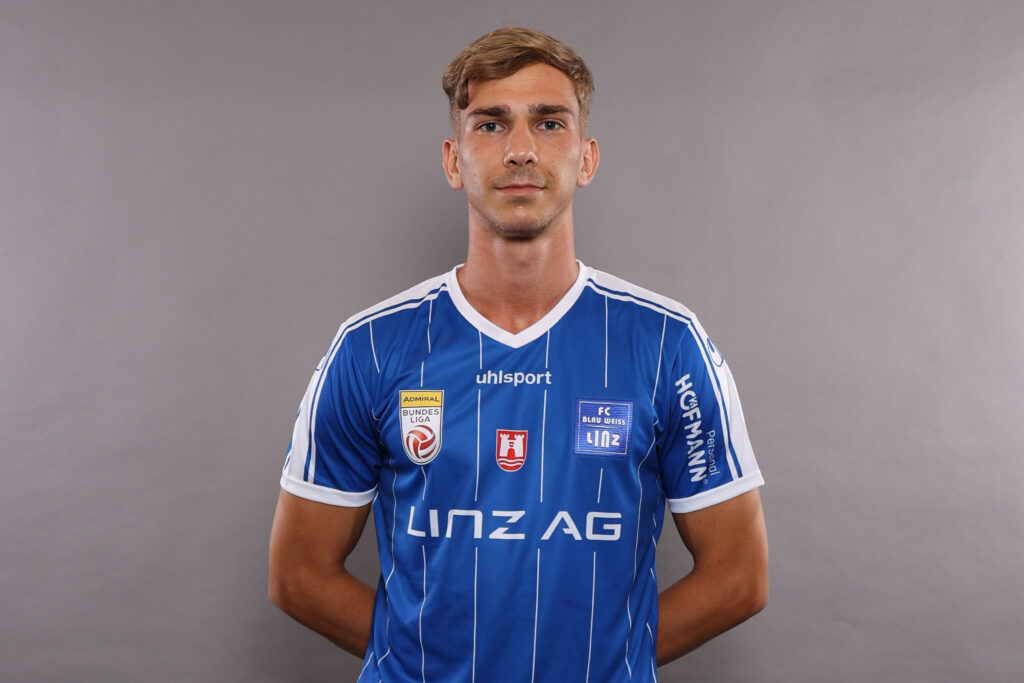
[603, 427]
[421, 412]
[510, 450]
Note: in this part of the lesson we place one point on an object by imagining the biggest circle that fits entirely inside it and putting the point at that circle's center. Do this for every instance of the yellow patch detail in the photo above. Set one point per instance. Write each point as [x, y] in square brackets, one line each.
[421, 398]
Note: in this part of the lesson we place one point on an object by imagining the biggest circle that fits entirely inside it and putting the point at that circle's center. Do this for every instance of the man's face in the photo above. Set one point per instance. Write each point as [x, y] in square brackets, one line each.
[519, 151]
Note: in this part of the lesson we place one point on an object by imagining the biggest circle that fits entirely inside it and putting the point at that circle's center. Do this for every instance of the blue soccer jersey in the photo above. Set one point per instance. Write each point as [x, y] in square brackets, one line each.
[519, 481]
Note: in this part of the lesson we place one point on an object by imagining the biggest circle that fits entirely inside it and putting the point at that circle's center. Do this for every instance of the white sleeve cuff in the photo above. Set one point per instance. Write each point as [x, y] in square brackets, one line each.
[325, 494]
[716, 495]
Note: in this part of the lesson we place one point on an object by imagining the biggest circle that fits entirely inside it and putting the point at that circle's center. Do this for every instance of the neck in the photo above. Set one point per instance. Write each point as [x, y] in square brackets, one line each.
[514, 283]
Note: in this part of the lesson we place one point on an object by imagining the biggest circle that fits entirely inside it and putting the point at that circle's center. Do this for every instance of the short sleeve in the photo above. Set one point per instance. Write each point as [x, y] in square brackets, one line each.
[334, 454]
[705, 452]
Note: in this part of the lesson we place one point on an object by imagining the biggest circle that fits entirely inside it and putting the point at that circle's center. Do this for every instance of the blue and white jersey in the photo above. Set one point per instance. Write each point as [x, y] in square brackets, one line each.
[519, 481]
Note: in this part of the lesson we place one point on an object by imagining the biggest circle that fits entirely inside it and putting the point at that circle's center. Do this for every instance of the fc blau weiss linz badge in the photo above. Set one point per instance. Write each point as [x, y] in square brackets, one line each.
[603, 427]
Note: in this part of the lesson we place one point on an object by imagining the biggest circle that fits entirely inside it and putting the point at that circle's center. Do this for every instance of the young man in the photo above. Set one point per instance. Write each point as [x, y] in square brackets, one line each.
[517, 426]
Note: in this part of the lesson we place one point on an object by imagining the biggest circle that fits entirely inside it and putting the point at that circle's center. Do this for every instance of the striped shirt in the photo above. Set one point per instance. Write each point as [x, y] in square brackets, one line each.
[519, 481]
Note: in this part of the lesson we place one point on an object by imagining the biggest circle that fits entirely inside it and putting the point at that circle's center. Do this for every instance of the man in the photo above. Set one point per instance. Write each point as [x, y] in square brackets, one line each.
[517, 426]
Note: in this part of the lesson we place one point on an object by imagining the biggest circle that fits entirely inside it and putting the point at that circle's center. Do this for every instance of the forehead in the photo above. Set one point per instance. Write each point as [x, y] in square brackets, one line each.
[533, 84]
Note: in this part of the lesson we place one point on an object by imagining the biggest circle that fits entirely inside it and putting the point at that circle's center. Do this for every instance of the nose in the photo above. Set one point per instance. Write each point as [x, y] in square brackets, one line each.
[520, 149]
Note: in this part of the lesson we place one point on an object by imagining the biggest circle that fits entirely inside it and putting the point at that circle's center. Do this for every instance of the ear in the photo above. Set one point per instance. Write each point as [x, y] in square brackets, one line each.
[450, 162]
[588, 167]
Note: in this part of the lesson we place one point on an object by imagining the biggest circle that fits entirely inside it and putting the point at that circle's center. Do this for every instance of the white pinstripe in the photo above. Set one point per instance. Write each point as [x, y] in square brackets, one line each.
[661, 348]
[423, 652]
[606, 341]
[373, 349]
[629, 618]
[636, 552]
[654, 668]
[628, 667]
[593, 586]
[394, 522]
[639, 505]
[543, 431]
[476, 491]
[536, 612]
[430, 318]
[476, 559]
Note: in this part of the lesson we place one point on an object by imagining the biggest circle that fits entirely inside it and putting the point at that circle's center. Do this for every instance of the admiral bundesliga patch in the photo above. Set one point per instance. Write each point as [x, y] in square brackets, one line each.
[603, 427]
[420, 412]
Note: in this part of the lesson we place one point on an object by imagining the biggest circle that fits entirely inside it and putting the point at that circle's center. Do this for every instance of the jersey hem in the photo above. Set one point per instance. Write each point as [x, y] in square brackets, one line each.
[717, 495]
[324, 494]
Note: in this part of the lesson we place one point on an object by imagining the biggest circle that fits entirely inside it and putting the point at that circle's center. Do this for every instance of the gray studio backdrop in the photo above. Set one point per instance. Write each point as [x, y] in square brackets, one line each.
[193, 195]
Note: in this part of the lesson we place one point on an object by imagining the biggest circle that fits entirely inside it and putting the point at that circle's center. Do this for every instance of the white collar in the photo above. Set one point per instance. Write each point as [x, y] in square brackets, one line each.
[532, 332]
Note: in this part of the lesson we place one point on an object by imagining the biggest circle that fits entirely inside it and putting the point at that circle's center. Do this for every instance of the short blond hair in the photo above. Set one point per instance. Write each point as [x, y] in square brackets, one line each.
[501, 53]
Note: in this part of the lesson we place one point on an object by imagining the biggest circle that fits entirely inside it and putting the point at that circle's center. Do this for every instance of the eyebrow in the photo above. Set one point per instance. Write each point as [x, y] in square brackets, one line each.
[495, 111]
[549, 109]
[501, 110]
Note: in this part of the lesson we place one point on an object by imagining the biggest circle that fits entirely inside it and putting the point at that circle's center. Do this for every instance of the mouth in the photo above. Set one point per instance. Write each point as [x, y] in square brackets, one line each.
[519, 188]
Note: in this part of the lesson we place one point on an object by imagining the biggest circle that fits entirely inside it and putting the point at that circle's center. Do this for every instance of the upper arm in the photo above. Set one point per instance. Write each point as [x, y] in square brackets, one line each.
[311, 538]
[729, 538]
[729, 580]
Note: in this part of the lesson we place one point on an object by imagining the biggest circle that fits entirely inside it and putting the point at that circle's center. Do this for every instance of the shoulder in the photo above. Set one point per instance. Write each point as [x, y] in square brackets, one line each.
[394, 311]
[381, 326]
[623, 290]
[678, 325]
[399, 306]
[643, 304]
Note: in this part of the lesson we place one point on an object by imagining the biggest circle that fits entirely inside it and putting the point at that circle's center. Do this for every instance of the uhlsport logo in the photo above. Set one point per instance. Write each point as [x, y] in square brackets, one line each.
[421, 413]
[514, 378]
[511, 449]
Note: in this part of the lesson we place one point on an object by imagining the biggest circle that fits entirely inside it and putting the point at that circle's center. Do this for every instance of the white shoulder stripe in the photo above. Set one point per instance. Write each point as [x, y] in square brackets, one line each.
[609, 284]
[419, 293]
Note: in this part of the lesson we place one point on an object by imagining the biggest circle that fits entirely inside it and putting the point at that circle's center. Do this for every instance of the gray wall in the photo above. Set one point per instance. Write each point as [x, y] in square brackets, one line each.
[193, 195]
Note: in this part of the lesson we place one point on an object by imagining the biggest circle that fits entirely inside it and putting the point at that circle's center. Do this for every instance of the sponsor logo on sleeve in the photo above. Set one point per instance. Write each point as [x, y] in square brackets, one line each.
[510, 450]
[421, 412]
[700, 445]
[603, 427]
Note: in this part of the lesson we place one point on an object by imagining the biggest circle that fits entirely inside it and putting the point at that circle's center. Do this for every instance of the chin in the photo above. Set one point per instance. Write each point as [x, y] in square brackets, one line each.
[520, 230]
[520, 227]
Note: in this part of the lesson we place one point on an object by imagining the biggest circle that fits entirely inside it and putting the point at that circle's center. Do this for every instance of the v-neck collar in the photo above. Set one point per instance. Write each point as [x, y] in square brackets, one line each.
[524, 337]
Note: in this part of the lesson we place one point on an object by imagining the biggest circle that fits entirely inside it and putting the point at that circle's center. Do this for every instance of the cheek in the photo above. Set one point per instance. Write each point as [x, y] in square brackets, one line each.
[468, 167]
[571, 170]
[470, 177]
[573, 159]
